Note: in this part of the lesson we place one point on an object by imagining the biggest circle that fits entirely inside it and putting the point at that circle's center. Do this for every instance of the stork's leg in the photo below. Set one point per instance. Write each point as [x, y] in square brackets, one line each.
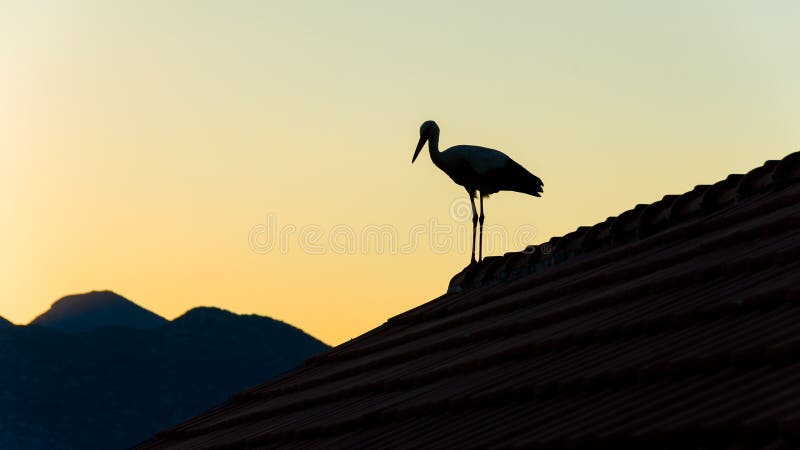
[474, 224]
[480, 240]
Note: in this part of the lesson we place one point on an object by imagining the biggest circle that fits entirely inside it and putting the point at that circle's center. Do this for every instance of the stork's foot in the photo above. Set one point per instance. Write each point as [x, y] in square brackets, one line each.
[472, 262]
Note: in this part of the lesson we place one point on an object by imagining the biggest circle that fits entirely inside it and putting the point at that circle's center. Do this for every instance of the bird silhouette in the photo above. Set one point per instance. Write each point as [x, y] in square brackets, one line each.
[482, 171]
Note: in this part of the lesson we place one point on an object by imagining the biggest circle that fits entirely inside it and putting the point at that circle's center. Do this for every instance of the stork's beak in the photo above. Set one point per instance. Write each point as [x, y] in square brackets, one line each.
[422, 140]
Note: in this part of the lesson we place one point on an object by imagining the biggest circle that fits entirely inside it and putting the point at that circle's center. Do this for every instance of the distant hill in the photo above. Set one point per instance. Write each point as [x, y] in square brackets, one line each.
[111, 387]
[86, 312]
[5, 323]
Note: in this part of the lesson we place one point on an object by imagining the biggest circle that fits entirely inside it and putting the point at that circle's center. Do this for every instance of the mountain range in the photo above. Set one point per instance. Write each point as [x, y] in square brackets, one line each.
[97, 371]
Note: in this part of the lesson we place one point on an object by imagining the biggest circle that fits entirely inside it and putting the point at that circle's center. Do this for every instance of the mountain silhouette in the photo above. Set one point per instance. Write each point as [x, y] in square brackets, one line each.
[5, 323]
[114, 386]
[86, 312]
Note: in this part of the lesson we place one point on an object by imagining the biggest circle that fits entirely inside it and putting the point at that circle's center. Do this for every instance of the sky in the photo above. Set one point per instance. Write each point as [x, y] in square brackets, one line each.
[246, 154]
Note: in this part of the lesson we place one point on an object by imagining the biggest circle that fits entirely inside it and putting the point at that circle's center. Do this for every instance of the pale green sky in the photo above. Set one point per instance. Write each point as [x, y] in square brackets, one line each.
[141, 141]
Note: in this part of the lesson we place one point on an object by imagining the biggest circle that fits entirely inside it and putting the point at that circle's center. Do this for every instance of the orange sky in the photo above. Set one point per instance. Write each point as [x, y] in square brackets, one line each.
[143, 146]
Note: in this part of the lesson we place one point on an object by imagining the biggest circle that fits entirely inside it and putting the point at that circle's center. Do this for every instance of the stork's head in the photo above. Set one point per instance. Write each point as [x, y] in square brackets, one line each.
[428, 130]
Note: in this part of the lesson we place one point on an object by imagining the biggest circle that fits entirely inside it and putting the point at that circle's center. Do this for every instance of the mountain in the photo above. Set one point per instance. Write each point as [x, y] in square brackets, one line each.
[86, 312]
[5, 323]
[111, 387]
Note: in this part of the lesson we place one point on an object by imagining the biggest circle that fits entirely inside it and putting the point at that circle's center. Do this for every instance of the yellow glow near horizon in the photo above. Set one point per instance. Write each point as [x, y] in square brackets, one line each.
[141, 143]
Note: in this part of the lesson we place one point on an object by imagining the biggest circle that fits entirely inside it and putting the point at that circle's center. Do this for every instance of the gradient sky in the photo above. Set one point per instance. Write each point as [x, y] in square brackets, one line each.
[145, 145]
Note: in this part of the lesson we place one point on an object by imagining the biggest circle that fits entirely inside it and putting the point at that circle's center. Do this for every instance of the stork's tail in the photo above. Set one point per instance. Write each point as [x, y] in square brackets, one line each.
[520, 180]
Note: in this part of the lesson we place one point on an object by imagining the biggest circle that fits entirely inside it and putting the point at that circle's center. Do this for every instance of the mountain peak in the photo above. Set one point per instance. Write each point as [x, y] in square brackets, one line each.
[208, 311]
[97, 309]
[210, 319]
[211, 316]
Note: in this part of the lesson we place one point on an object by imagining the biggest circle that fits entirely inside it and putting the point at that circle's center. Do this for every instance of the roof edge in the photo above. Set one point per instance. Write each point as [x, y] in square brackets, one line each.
[640, 222]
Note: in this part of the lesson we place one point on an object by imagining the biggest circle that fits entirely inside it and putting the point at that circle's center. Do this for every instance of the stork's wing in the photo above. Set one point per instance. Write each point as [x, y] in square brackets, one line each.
[480, 160]
[492, 170]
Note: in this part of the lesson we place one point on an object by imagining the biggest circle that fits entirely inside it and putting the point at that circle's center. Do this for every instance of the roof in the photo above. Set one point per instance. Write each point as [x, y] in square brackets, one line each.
[675, 324]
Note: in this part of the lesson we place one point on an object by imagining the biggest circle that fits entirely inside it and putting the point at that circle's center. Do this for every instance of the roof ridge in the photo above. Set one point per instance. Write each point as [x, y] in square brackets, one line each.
[456, 308]
[644, 220]
[459, 302]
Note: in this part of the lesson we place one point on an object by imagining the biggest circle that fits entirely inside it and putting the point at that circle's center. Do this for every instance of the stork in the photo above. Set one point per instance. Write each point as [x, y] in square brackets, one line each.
[482, 171]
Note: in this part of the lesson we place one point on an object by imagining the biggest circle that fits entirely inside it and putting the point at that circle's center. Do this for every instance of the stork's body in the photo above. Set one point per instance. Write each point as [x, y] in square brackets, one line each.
[482, 171]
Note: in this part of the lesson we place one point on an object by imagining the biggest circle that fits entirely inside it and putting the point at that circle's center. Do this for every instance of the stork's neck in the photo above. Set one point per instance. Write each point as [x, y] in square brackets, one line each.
[433, 147]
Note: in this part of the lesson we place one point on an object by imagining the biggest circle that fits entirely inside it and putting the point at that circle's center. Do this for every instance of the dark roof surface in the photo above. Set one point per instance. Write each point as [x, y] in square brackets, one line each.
[673, 325]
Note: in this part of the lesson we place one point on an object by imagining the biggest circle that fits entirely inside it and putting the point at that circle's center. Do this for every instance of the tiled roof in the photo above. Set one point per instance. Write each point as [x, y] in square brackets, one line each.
[673, 325]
